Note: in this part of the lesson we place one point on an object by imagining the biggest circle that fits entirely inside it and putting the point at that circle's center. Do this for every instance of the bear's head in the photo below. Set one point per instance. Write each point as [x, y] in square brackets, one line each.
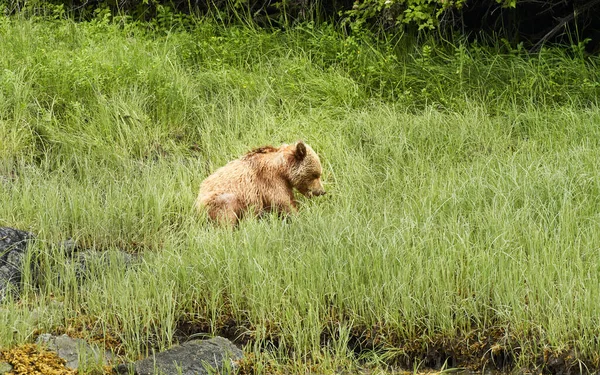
[305, 173]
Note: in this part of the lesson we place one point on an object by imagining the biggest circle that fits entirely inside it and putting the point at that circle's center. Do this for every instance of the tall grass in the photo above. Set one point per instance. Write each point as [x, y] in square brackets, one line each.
[463, 191]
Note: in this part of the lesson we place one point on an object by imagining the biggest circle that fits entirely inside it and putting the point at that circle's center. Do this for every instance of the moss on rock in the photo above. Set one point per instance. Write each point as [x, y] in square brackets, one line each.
[32, 360]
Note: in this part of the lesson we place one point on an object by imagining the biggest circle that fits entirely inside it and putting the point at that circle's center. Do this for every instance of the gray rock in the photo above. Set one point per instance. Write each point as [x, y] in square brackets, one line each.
[13, 247]
[73, 350]
[88, 260]
[68, 246]
[191, 358]
[13, 251]
[5, 367]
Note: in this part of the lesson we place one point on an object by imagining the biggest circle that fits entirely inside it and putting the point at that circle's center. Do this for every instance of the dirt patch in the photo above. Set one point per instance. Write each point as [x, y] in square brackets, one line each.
[190, 327]
[88, 328]
[495, 349]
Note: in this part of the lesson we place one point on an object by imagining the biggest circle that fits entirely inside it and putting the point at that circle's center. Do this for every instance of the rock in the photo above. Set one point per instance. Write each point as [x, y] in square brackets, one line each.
[68, 246]
[5, 367]
[191, 358]
[73, 350]
[13, 247]
[87, 260]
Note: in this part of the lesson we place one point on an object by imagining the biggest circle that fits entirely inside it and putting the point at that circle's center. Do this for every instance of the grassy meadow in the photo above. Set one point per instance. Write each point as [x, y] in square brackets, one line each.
[460, 226]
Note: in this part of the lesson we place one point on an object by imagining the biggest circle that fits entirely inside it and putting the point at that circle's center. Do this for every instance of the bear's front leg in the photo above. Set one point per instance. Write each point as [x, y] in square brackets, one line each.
[286, 207]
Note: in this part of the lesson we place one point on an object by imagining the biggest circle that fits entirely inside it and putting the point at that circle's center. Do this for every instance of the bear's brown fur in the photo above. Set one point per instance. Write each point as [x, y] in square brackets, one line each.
[260, 181]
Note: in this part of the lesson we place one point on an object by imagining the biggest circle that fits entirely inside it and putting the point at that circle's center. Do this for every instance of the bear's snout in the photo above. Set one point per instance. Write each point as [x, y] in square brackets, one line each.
[316, 193]
[314, 189]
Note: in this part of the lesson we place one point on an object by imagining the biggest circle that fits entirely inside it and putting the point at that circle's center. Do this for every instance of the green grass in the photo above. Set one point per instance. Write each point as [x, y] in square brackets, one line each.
[463, 192]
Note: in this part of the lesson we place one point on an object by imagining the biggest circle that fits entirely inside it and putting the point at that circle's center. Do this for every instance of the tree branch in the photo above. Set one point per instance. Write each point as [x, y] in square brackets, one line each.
[562, 23]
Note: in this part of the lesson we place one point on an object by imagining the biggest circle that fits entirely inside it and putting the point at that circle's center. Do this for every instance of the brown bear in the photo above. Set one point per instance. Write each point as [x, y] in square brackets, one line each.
[261, 181]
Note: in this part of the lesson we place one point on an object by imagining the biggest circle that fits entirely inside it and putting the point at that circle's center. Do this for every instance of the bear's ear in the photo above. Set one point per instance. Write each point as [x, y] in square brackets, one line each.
[300, 152]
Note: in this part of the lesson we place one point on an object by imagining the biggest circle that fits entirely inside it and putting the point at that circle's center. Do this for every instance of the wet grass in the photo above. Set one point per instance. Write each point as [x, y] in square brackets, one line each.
[459, 229]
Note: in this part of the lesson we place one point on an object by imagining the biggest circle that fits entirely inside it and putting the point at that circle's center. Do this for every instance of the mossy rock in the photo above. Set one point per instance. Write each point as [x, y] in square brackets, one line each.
[29, 359]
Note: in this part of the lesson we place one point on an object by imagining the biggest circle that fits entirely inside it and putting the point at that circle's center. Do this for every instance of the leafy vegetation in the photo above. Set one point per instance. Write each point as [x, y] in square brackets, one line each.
[525, 22]
[460, 228]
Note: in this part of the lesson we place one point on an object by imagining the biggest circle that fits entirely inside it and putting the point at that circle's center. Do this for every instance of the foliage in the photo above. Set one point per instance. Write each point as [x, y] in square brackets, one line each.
[424, 14]
[515, 20]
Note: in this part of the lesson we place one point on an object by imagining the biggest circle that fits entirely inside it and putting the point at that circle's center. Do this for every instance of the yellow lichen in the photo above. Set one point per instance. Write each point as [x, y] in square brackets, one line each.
[29, 359]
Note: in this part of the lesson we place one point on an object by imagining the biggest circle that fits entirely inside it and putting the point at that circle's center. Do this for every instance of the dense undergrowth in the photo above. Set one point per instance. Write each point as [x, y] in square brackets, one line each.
[460, 228]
